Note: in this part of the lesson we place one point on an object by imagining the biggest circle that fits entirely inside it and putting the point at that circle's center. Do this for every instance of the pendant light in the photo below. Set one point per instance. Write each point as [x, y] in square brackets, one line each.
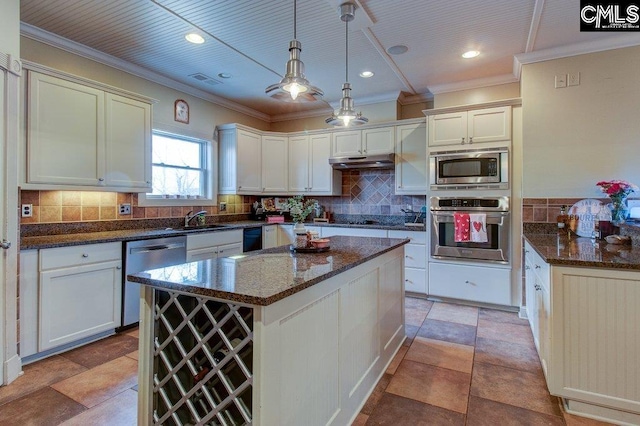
[294, 86]
[346, 115]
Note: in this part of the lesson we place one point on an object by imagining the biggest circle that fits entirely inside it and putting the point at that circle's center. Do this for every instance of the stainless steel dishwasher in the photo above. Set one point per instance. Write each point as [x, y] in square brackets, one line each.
[143, 255]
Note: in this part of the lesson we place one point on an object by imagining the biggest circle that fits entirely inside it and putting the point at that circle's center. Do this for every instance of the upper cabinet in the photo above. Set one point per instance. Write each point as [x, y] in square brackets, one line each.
[411, 159]
[240, 159]
[470, 127]
[363, 142]
[309, 169]
[274, 164]
[81, 136]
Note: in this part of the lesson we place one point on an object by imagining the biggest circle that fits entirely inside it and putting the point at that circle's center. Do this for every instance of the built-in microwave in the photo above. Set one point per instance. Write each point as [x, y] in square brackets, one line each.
[478, 168]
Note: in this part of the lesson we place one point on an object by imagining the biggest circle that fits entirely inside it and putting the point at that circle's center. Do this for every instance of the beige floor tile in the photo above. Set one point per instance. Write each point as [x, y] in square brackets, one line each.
[38, 375]
[414, 316]
[507, 332]
[121, 410]
[443, 354]
[133, 333]
[44, 407]
[398, 411]
[133, 355]
[483, 412]
[454, 313]
[100, 383]
[393, 366]
[360, 420]
[432, 385]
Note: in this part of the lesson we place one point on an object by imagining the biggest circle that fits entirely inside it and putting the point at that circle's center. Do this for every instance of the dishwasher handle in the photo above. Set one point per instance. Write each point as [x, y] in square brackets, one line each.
[147, 249]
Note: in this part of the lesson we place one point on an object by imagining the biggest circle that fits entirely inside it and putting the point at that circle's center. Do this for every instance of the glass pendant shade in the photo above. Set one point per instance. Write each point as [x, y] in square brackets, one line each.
[346, 115]
[294, 87]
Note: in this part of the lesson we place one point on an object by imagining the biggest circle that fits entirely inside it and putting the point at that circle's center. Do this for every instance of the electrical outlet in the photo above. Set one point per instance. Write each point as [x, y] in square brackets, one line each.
[27, 210]
[561, 81]
[573, 79]
[222, 206]
[125, 208]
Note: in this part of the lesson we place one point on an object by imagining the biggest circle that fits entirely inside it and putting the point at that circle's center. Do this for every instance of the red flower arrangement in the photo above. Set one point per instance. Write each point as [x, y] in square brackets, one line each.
[617, 188]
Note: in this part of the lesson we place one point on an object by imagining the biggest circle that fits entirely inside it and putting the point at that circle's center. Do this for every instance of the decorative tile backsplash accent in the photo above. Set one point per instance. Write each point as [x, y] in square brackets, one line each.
[547, 209]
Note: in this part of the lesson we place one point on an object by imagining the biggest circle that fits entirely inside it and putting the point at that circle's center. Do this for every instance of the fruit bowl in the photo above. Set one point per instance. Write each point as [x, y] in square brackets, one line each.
[320, 243]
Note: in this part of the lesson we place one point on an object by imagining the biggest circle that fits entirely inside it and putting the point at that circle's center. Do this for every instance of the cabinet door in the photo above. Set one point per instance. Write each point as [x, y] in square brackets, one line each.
[79, 302]
[274, 164]
[249, 158]
[285, 235]
[415, 280]
[269, 236]
[346, 143]
[378, 141]
[543, 303]
[201, 254]
[489, 125]
[321, 174]
[448, 129]
[531, 296]
[128, 143]
[65, 132]
[299, 164]
[411, 159]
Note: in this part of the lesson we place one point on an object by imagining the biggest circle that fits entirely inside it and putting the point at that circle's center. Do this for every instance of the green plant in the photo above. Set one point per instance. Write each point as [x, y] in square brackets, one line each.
[299, 208]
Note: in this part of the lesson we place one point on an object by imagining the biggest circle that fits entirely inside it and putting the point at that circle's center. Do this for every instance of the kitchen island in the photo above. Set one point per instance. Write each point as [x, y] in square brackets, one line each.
[272, 337]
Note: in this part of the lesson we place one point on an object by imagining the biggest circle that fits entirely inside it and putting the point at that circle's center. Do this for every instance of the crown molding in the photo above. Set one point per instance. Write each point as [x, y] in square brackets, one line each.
[81, 50]
[310, 113]
[608, 43]
[406, 99]
[473, 84]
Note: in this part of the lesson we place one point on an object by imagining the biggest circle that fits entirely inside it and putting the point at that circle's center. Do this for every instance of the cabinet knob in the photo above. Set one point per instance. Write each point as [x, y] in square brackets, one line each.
[467, 282]
[100, 179]
[526, 251]
[537, 287]
[221, 251]
[527, 267]
[5, 244]
[85, 255]
[407, 281]
[462, 141]
[365, 151]
[537, 266]
[471, 139]
[118, 267]
[148, 182]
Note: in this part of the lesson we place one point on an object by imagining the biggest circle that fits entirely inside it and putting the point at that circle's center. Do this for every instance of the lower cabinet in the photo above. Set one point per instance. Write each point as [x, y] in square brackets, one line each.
[68, 294]
[415, 260]
[538, 302]
[270, 236]
[209, 245]
[474, 283]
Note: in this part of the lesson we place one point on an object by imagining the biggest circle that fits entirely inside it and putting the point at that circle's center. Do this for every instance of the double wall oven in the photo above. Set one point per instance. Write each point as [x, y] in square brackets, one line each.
[443, 243]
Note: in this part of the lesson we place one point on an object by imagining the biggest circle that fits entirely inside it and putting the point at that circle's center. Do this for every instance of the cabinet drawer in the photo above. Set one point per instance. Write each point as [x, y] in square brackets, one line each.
[62, 257]
[416, 237]
[211, 239]
[415, 256]
[415, 280]
[476, 283]
[227, 250]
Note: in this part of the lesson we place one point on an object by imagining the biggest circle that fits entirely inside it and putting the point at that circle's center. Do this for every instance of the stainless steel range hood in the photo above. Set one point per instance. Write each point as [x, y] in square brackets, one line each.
[382, 161]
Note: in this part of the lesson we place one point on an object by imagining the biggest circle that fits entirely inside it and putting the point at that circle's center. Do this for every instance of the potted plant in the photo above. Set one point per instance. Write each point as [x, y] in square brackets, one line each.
[299, 209]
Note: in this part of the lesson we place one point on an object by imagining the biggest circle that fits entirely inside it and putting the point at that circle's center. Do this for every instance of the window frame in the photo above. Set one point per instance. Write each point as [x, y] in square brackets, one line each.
[209, 162]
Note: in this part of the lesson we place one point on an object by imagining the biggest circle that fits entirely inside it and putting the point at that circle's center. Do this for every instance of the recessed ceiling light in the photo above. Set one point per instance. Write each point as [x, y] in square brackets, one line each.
[397, 50]
[366, 74]
[470, 54]
[194, 38]
[224, 75]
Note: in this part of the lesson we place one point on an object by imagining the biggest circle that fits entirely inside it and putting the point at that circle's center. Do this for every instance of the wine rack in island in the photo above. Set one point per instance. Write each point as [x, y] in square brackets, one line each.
[202, 361]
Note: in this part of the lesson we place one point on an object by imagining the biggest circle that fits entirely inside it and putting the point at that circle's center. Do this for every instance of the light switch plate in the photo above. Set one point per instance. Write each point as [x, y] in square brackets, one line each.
[561, 80]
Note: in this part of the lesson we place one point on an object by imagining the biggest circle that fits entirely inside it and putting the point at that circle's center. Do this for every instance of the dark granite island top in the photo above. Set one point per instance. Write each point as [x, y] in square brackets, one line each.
[266, 276]
[583, 252]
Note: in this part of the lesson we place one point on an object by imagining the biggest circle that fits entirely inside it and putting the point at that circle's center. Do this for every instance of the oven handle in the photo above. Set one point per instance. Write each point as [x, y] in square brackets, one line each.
[447, 216]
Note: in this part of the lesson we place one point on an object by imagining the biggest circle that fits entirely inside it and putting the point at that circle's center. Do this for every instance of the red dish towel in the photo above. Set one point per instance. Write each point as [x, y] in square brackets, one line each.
[461, 227]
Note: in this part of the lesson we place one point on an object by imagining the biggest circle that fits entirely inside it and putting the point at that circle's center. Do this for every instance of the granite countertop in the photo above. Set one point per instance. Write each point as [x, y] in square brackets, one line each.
[578, 251]
[71, 239]
[266, 276]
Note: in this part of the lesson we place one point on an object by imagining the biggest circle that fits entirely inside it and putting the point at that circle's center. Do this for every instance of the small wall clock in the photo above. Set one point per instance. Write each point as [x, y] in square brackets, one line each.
[181, 111]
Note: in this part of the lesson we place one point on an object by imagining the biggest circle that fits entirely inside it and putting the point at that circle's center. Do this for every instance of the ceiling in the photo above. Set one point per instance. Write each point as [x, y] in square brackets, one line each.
[249, 39]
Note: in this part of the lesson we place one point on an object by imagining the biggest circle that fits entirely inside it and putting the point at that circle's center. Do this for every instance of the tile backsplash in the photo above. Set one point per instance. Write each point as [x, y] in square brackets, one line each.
[546, 210]
[364, 192]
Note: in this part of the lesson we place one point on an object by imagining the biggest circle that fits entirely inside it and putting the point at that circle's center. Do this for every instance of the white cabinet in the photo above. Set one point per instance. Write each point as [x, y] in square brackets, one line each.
[285, 235]
[309, 169]
[363, 142]
[269, 236]
[80, 290]
[469, 127]
[274, 164]
[411, 159]
[474, 283]
[240, 161]
[82, 136]
[538, 302]
[210, 245]
[415, 260]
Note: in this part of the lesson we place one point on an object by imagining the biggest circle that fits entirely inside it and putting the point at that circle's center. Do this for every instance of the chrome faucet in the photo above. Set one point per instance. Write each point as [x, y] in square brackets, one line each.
[190, 216]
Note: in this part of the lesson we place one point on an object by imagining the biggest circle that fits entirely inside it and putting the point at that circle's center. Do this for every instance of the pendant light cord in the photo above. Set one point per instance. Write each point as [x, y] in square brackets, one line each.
[295, 19]
[346, 50]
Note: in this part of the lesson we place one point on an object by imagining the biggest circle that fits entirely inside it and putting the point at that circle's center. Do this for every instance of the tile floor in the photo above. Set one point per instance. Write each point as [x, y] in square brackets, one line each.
[460, 365]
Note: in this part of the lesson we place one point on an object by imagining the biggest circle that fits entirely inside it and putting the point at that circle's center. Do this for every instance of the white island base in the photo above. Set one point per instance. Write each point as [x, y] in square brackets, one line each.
[312, 358]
